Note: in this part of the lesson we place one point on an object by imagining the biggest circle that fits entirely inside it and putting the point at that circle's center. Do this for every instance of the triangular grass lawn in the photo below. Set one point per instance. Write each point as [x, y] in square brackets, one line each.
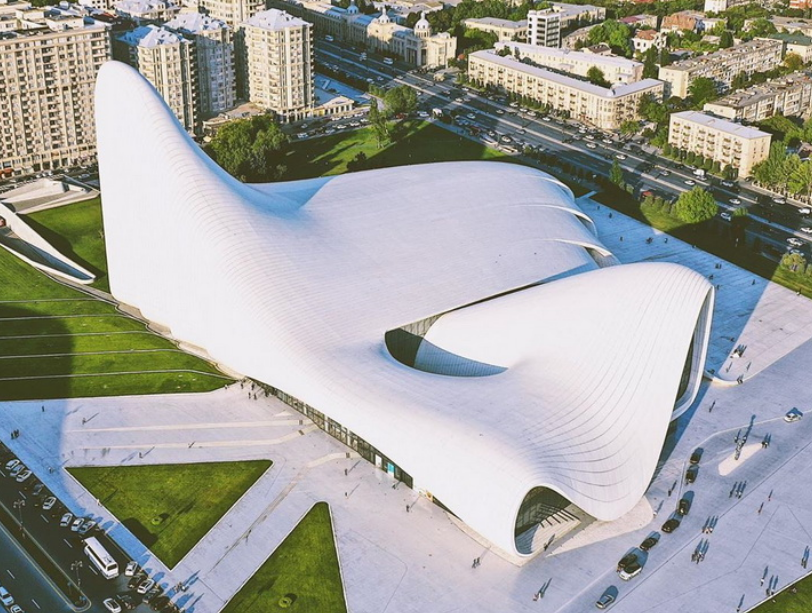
[170, 507]
[301, 576]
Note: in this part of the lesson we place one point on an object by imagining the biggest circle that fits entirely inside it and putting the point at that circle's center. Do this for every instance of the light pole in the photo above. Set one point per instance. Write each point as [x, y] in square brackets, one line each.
[75, 566]
[19, 504]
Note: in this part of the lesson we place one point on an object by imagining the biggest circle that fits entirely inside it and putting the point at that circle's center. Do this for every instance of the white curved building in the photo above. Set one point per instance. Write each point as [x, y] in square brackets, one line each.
[460, 324]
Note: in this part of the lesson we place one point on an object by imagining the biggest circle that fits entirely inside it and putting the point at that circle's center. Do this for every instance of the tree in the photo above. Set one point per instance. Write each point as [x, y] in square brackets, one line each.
[726, 39]
[793, 62]
[400, 100]
[800, 180]
[616, 34]
[696, 206]
[739, 81]
[761, 27]
[616, 173]
[702, 90]
[596, 77]
[378, 122]
[665, 57]
[629, 128]
[652, 110]
[650, 68]
[252, 150]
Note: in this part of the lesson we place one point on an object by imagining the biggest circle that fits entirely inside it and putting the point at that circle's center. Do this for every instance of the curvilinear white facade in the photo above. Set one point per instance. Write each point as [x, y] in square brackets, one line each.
[525, 358]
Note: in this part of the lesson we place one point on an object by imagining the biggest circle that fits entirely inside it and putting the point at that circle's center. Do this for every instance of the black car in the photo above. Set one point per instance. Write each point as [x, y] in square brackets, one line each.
[606, 599]
[626, 560]
[671, 525]
[696, 456]
[135, 581]
[691, 474]
[159, 603]
[650, 541]
[684, 505]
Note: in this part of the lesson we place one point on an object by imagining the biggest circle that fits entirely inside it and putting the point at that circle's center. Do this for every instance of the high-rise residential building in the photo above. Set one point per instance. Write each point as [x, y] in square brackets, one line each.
[147, 11]
[168, 60]
[214, 48]
[602, 107]
[723, 141]
[232, 12]
[277, 53]
[49, 59]
[544, 28]
[759, 55]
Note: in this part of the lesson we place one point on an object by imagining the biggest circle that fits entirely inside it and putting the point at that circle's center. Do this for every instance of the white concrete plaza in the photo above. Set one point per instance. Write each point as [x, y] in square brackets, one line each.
[397, 562]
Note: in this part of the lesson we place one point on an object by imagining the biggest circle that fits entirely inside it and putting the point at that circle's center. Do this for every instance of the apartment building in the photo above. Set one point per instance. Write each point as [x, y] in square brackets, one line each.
[604, 108]
[799, 44]
[723, 141]
[615, 69]
[790, 95]
[544, 28]
[231, 12]
[214, 50]
[505, 29]
[576, 15]
[49, 59]
[143, 12]
[168, 60]
[722, 66]
[719, 6]
[278, 57]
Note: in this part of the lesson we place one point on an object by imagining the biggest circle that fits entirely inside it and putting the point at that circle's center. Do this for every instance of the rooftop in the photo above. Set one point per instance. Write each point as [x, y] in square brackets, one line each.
[274, 19]
[502, 23]
[795, 38]
[729, 127]
[143, 6]
[751, 95]
[725, 54]
[194, 23]
[151, 36]
[527, 50]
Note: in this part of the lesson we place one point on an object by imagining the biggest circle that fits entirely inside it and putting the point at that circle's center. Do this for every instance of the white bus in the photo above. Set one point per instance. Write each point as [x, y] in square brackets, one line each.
[100, 558]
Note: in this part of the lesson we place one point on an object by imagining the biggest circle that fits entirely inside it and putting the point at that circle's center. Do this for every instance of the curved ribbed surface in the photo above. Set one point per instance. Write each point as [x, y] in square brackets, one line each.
[296, 284]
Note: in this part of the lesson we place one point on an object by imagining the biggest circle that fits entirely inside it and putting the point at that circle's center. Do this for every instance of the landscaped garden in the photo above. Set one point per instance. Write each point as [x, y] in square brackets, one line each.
[302, 575]
[170, 507]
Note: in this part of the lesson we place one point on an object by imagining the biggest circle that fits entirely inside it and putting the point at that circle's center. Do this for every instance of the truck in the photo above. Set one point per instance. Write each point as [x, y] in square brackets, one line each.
[699, 173]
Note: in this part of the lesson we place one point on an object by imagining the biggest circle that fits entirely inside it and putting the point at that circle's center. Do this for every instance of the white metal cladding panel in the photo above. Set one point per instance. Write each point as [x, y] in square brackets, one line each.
[295, 284]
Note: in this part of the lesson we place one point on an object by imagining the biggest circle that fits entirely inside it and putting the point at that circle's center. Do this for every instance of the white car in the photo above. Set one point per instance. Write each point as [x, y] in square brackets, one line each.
[471, 116]
[500, 112]
[67, 520]
[24, 475]
[77, 523]
[15, 608]
[795, 242]
[726, 216]
[665, 173]
[131, 568]
[805, 210]
[591, 146]
[689, 182]
[621, 156]
[608, 141]
[11, 464]
[728, 183]
[6, 598]
[145, 586]
[421, 114]
[780, 200]
[806, 230]
[49, 503]
[545, 118]
[735, 201]
[111, 604]
[793, 415]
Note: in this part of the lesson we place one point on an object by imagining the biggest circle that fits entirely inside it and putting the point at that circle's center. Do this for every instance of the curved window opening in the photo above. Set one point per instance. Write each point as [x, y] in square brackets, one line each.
[543, 517]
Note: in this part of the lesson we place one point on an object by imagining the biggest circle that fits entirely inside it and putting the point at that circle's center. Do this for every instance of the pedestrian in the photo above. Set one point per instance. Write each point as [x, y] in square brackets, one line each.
[753, 282]
[761, 508]
[407, 508]
[762, 581]
[43, 408]
[621, 239]
[666, 239]
[770, 496]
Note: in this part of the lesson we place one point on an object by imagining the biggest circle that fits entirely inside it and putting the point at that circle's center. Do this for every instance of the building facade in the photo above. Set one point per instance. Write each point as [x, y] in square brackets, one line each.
[790, 95]
[232, 12]
[147, 11]
[759, 55]
[615, 69]
[604, 108]
[49, 60]
[646, 39]
[577, 15]
[504, 29]
[216, 71]
[723, 141]
[168, 60]
[278, 59]
[544, 28]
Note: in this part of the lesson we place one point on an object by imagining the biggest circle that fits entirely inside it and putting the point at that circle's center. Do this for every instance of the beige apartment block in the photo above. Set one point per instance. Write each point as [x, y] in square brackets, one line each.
[722, 66]
[504, 29]
[790, 95]
[232, 12]
[544, 28]
[603, 108]
[168, 61]
[49, 59]
[615, 69]
[214, 48]
[278, 56]
[723, 141]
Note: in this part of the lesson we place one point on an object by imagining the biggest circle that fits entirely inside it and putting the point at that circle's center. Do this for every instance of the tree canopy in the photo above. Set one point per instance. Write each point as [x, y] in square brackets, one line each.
[615, 34]
[696, 206]
[702, 90]
[253, 150]
[400, 99]
[596, 77]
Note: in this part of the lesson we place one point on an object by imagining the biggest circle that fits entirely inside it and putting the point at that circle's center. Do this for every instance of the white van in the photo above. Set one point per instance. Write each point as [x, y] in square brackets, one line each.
[388, 61]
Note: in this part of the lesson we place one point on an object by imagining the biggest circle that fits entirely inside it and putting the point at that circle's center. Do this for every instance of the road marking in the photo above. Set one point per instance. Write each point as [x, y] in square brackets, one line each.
[68, 543]
[36, 604]
[23, 496]
[10, 574]
[45, 519]
[93, 568]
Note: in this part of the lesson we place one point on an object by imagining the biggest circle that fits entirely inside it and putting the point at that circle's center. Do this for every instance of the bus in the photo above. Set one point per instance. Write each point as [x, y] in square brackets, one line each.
[100, 558]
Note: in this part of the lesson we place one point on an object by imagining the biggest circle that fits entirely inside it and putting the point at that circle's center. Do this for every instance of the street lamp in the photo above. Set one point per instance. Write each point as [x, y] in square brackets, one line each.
[75, 566]
[19, 504]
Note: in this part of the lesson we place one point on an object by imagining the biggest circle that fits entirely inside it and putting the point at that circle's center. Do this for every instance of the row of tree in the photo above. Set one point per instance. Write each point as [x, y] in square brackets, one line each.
[695, 159]
[253, 150]
[785, 173]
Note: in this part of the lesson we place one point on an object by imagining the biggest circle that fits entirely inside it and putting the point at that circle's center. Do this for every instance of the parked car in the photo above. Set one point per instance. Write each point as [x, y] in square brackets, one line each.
[650, 541]
[131, 569]
[87, 526]
[806, 230]
[17, 470]
[805, 210]
[631, 571]
[591, 146]
[626, 560]
[145, 586]
[606, 599]
[691, 474]
[735, 201]
[793, 415]
[77, 523]
[49, 503]
[67, 520]
[6, 598]
[111, 604]
[12, 463]
[726, 216]
[136, 580]
[15, 608]
[24, 476]
[696, 456]
[794, 241]
[621, 156]
[684, 506]
[671, 525]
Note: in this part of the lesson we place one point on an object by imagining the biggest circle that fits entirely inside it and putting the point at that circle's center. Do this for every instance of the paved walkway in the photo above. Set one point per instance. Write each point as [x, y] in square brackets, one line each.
[400, 562]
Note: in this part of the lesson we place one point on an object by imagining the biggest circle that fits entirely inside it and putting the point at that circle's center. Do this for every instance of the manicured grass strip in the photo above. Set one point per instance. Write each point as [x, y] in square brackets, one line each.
[74, 325]
[170, 507]
[51, 308]
[304, 568]
[111, 385]
[19, 281]
[787, 602]
[82, 343]
[76, 231]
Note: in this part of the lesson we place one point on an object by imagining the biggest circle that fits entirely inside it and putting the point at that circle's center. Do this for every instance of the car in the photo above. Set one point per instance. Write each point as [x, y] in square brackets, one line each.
[806, 230]
[591, 146]
[779, 200]
[631, 571]
[131, 569]
[471, 116]
[671, 525]
[159, 604]
[111, 604]
[6, 598]
[87, 527]
[726, 216]
[691, 474]
[532, 114]
[15, 608]
[545, 118]
[606, 599]
[589, 137]
[38, 489]
[795, 242]
[24, 475]
[77, 523]
[620, 156]
[145, 586]
[421, 114]
[514, 105]
[49, 503]
[136, 580]
[626, 560]
[696, 456]
[650, 541]
[793, 415]
[16, 470]
[689, 182]
[388, 61]
[728, 184]
[805, 210]
[735, 201]
[499, 112]
[665, 173]
[12, 463]
[684, 506]
[127, 601]
[608, 141]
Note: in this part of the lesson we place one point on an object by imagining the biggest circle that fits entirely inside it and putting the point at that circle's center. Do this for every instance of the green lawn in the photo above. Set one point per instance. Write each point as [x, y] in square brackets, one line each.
[787, 602]
[76, 231]
[304, 567]
[169, 508]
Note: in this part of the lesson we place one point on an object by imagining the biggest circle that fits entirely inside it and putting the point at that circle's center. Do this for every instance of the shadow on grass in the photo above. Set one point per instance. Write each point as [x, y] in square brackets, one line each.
[140, 531]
